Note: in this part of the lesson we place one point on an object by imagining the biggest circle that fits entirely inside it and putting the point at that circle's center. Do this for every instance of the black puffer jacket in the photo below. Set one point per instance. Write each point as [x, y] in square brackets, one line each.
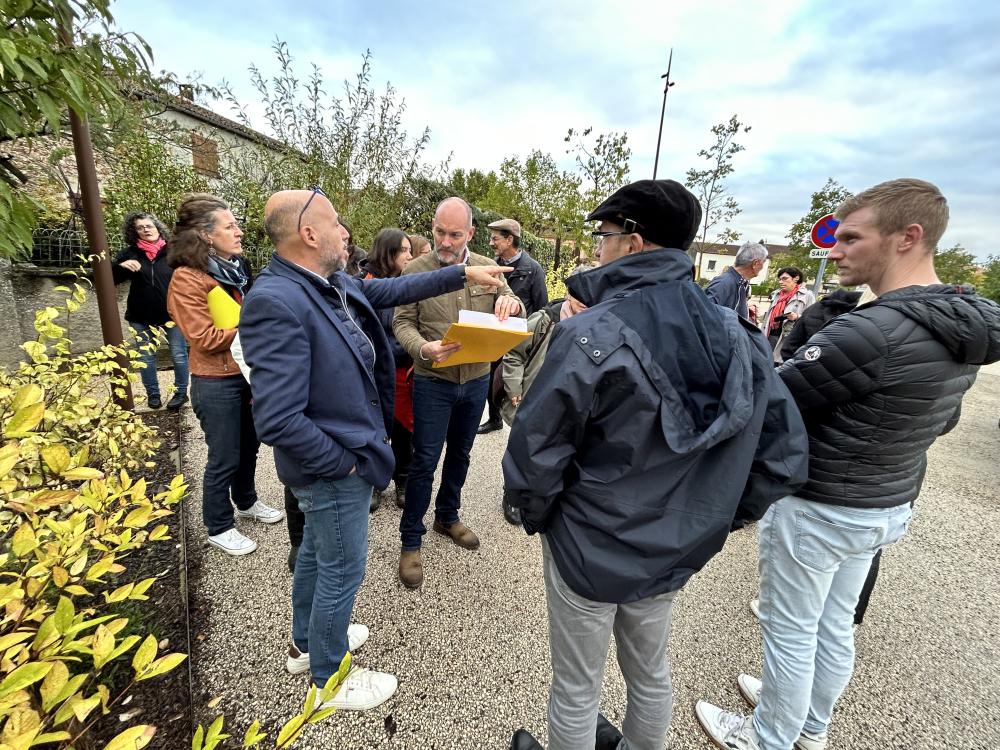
[878, 385]
[814, 317]
[527, 281]
[655, 424]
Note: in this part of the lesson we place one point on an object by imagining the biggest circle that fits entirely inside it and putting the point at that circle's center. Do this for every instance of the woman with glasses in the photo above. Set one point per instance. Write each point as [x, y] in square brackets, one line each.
[788, 302]
[389, 255]
[143, 263]
[205, 253]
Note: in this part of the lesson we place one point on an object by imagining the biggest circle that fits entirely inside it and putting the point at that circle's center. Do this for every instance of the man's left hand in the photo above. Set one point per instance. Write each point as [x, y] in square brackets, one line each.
[506, 306]
[486, 275]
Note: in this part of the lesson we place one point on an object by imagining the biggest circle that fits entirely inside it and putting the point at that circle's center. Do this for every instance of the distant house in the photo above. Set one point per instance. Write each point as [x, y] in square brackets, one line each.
[716, 258]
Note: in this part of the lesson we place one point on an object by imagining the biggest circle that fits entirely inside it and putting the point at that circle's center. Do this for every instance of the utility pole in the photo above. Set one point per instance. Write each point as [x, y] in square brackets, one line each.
[663, 111]
[93, 220]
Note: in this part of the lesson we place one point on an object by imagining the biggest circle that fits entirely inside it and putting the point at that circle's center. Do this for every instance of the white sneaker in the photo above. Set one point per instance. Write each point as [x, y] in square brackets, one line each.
[362, 690]
[233, 542]
[755, 607]
[727, 730]
[298, 662]
[750, 688]
[261, 512]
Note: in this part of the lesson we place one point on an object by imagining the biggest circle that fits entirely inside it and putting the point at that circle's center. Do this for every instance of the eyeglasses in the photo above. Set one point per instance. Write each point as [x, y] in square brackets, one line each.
[316, 190]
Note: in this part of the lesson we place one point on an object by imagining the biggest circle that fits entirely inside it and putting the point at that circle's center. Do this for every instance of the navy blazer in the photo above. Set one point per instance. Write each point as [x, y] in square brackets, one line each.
[314, 400]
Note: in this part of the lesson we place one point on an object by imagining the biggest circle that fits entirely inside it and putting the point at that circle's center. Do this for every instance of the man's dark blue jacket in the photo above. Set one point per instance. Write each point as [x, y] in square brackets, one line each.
[731, 290]
[315, 400]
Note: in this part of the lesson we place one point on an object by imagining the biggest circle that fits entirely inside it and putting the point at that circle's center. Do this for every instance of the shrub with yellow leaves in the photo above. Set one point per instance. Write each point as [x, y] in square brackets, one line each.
[74, 508]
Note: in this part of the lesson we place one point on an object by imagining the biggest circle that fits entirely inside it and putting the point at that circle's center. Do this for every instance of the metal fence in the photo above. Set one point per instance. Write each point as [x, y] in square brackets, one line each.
[64, 248]
[69, 248]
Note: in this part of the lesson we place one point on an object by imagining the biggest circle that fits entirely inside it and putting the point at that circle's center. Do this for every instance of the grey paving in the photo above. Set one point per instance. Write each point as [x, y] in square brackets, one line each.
[470, 648]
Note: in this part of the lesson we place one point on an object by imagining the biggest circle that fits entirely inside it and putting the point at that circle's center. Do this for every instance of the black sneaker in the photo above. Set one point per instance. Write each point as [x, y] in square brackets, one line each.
[523, 740]
[176, 401]
[154, 402]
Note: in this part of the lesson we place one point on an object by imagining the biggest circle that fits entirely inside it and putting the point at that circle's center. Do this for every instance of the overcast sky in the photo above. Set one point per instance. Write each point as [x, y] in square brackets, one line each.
[850, 90]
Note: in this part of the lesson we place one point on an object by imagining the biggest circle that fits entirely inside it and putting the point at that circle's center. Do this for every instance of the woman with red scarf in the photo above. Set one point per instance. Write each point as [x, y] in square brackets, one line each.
[788, 302]
[388, 257]
[143, 263]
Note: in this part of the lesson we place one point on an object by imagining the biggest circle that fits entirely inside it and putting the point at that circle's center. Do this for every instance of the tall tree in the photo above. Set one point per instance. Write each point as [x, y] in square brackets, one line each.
[956, 265]
[824, 201]
[42, 74]
[989, 282]
[709, 185]
[603, 161]
[354, 146]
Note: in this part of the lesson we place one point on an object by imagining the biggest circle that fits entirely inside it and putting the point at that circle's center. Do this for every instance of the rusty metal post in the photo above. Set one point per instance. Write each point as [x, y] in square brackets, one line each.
[93, 220]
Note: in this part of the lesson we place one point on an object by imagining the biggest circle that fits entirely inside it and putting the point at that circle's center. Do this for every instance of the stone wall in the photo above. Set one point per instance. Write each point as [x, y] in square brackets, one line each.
[24, 289]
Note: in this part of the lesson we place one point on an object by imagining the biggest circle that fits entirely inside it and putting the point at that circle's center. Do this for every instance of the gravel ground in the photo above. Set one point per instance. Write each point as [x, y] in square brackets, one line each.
[470, 649]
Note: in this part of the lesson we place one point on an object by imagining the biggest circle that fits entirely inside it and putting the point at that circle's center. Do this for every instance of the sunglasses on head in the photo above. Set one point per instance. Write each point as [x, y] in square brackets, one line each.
[316, 190]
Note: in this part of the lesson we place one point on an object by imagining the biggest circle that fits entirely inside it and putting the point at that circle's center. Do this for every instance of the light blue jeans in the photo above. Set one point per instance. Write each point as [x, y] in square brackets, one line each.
[814, 559]
[178, 354]
[329, 569]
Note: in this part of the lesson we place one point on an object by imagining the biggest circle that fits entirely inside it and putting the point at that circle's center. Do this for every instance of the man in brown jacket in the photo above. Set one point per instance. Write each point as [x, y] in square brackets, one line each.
[447, 401]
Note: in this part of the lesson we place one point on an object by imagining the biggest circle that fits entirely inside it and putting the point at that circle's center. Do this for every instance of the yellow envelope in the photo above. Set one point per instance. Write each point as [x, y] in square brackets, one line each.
[484, 340]
[224, 309]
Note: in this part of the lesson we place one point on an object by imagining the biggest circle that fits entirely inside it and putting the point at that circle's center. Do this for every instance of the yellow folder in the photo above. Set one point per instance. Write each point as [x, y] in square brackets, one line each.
[224, 309]
[483, 338]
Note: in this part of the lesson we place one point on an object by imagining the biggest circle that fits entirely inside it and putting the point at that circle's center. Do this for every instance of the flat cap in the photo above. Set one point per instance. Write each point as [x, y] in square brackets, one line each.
[506, 225]
[664, 212]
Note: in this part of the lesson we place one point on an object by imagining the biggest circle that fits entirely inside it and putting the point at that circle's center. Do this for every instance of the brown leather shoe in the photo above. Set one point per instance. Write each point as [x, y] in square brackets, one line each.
[460, 534]
[411, 569]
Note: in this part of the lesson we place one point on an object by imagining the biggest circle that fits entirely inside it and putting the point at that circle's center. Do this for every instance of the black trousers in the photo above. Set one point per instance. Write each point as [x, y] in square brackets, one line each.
[866, 590]
[295, 519]
[402, 451]
[493, 398]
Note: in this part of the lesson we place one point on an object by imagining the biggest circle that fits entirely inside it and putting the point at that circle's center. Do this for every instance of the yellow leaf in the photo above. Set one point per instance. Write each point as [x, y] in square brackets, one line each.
[9, 455]
[161, 665]
[25, 420]
[83, 473]
[144, 654]
[53, 684]
[82, 708]
[22, 726]
[56, 457]
[14, 699]
[214, 702]
[103, 644]
[158, 533]
[119, 594]
[14, 638]
[253, 735]
[27, 674]
[59, 576]
[78, 565]
[24, 540]
[26, 396]
[132, 738]
[291, 730]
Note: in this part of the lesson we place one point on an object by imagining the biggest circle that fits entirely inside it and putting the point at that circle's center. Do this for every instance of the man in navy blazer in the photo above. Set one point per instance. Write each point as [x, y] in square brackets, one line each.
[323, 387]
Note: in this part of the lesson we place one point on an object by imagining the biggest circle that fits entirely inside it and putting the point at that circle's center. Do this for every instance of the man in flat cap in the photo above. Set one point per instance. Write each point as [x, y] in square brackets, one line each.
[655, 425]
[527, 281]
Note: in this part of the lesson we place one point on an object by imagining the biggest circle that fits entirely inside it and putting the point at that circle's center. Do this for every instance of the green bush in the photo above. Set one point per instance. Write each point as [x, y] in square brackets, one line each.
[74, 509]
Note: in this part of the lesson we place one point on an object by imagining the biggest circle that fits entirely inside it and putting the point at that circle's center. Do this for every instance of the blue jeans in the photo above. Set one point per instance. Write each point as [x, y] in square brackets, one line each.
[442, 411]
[814, 559]
[329, 570]
[178, 354]
[222, 406]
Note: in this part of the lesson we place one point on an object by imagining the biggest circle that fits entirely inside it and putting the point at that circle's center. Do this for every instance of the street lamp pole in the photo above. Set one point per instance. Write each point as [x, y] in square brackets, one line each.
[666, 87]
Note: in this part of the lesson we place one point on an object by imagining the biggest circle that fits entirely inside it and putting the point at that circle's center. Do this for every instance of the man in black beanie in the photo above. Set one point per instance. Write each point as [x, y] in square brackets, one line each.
[654, 427]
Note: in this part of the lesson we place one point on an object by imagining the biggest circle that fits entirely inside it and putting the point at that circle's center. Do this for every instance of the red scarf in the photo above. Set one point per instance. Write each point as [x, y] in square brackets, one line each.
[152, 248]
[778, 308]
